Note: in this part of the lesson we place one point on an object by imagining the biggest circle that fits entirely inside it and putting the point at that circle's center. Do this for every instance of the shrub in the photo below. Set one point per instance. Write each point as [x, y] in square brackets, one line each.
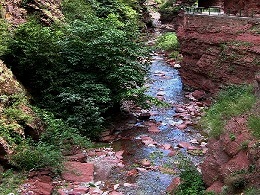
[252, 191]
[191, 181]
[232, 101]
[37, 156]
[59, 134]
[168, 41]
[81, 69]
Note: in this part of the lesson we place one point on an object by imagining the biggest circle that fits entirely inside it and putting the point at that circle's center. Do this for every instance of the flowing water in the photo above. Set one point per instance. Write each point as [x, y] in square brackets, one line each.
[163, 154]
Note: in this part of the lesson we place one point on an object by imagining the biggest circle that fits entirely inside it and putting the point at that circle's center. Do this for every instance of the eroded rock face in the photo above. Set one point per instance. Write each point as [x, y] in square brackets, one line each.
[218, 50]
[248, 7]
[16, 11]
[233, 158]
[16, 117]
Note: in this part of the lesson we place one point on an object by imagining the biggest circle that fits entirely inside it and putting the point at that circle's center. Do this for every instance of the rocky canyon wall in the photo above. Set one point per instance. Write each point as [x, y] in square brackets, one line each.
[247, 7]
[218, 50]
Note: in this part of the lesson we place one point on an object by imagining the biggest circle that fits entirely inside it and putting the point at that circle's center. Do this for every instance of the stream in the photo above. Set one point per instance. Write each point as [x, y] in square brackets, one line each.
[154, 148]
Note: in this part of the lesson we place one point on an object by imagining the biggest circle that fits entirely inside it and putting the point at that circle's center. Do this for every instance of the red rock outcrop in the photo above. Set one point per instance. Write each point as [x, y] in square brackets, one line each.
[233, 159]
[16, 11]
[247, 8]
[218, 50]
[16, 117]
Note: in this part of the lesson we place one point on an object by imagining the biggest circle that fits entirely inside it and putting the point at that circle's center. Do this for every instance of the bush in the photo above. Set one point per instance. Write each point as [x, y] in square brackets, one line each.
[191, 181]
[28, 157]
[252, 191]
[59, 134]
[232, 101]
[82, 69]
[168, 42]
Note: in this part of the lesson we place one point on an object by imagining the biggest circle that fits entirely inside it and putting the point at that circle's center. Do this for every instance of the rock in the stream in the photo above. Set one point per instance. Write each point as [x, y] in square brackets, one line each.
[146, 162]
[182, 126]
[177, 66]
[144, 116]
[184, 145]
[174, 184]
[198, 95]
[78, 172]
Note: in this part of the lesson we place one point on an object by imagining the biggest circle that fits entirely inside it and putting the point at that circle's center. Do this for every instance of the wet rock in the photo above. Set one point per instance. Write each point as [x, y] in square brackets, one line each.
[78, 172]
[167, 146]
[239, 163]
[177, 66]
[161, 93]
[108, 138]
[215, 187]
[129, 185]
[179, 110]
[132, 172]
[172, 153]
[184, 145]
[145, 162]
[153, 128]
[198, 95]
[115, 193]
[194, 141]
[141, 169]
[174, 184]
[144, 116]
[77, 157]
[193, 148]
[119, 154]
[80, 190]
[161, 98]
[148, 140]
[182, 126]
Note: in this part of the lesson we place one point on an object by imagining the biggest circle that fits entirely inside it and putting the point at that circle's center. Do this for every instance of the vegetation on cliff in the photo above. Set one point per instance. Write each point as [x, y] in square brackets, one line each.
[233, 101]
[82, 68]
[77, 68]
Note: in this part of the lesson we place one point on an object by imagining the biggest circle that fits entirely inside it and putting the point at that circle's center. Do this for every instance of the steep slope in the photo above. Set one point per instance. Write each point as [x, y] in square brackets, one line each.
[17, 120]
[218, 50]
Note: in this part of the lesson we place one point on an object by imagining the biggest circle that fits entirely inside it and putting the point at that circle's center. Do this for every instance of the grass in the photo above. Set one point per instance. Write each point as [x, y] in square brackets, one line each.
[28, 157]
[252, 191]
[10, 181]
[232, 101]
[254, 125]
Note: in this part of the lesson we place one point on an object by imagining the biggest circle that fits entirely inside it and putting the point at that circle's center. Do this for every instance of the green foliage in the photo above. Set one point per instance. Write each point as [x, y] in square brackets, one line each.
[59, 134]
[30, 156]
[82, 68]
[168, 42]
[232, 137]
[252, 191]
[254, 125]
[10, 181]
[4, 35]
[168, 7]
[13, 118]
[191, 181]
[103, 8]
[76, 9]
[232, 101]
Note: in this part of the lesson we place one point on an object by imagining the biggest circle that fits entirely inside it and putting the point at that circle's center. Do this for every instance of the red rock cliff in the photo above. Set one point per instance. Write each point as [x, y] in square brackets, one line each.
[218, 50]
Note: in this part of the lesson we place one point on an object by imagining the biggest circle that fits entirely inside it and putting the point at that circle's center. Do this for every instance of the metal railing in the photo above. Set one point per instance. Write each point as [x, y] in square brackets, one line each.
[216, 10]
